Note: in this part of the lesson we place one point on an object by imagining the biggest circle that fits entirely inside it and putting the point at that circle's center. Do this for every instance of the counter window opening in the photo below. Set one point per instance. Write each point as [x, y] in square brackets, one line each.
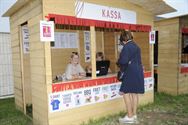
[70, 39]
[184, 54]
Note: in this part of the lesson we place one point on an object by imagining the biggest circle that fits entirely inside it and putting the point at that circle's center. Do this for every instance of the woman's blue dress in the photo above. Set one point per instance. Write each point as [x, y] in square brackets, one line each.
[130, 57]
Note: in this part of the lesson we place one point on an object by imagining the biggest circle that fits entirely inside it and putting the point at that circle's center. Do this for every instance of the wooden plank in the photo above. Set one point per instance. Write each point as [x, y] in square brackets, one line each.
[36, 46]
[109, 48]
[39, 98]
[171, 91]
[99, 42]
[26, 13]
[35, 38]
[56, 7]
[22, 70]
[183, 84]
[34, 21]
[15, 37]
[38, 70]
[37, 61]
[19, 105]
[148, 19]
[166, 22]
[15, 56]
[17, 74]
[93, 50]
[170, 84]
[37, 54]
[39, 119]
[15, 62]
[14, 43]
[16, 68]
[37, 78]
[34, 29]
[18, 95]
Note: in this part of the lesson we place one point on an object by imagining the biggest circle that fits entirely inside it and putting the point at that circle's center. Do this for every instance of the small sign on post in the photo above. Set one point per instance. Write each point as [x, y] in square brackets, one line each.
[152, 37]
[46, 31]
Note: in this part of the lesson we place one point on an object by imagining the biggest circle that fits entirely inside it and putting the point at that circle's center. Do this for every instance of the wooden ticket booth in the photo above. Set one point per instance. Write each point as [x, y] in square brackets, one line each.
[173, 55]
[78, 27]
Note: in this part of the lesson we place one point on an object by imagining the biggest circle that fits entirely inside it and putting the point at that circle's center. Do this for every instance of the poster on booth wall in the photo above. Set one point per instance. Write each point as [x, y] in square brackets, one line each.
[46, 31]
[55, 102]
[87, 46]
[66, 40]
[152, 37]
[25, 38]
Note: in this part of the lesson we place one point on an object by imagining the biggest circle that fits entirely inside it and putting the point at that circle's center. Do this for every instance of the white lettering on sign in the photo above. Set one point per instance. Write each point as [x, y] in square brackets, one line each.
[104, 13]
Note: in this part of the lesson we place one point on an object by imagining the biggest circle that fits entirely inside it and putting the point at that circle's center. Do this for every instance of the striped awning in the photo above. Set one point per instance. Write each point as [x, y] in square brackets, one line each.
[74, 21]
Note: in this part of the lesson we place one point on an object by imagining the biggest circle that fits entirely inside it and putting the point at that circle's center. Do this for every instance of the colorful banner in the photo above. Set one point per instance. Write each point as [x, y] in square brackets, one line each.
[63, 86]
[80, 97]
[88, 92]
[74, 21]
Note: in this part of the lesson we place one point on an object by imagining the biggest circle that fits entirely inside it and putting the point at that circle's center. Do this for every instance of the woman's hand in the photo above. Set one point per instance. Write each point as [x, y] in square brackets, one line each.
[75, 76]
[81, 75]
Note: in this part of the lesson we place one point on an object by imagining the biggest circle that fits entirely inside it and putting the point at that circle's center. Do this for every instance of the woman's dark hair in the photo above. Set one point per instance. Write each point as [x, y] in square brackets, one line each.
[125, 35]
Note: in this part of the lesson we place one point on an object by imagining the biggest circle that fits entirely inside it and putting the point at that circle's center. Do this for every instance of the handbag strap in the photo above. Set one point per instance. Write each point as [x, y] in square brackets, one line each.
[134, 55]
[130, 60]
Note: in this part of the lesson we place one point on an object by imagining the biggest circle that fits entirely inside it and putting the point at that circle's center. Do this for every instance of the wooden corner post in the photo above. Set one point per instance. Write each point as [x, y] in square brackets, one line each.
[93, 50]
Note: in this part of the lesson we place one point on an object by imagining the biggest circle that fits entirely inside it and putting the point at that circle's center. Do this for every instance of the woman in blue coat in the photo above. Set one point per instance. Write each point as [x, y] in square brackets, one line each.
[133, 80]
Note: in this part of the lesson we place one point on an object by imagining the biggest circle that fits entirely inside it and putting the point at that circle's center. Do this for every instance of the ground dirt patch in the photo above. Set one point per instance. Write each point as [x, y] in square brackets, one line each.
[166, 110]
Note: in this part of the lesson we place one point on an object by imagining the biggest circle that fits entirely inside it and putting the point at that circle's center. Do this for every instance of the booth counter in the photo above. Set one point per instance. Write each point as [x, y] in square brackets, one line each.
[90, 96]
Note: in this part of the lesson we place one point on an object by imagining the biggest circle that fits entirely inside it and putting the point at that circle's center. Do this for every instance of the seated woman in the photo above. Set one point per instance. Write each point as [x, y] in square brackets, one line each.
[74, 70]
[99, 57]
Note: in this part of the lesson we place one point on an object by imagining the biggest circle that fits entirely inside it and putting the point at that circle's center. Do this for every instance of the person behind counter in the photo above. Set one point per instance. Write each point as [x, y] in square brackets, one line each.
[99, 57]
[133, 82]
[74, 70]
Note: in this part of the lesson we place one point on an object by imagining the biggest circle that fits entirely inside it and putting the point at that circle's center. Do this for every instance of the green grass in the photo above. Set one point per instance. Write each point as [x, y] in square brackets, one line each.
[166, 110]
[10, 116]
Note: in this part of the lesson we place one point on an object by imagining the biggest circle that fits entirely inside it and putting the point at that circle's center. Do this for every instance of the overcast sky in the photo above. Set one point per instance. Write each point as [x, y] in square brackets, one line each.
[4, 22]
[180, 5]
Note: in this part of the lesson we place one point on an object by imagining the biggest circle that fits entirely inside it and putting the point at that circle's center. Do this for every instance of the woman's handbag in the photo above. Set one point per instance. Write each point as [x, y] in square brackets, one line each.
[120, 75]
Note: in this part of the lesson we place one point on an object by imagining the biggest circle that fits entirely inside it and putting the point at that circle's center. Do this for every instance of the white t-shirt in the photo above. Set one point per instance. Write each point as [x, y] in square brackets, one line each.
[73, 70]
